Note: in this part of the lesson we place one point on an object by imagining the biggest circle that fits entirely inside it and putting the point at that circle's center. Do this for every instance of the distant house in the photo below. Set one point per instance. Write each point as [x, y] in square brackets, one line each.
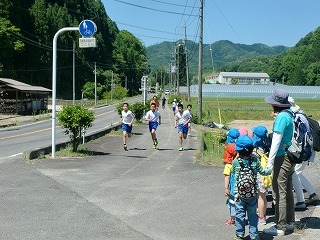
[241, 78]
[21, 98]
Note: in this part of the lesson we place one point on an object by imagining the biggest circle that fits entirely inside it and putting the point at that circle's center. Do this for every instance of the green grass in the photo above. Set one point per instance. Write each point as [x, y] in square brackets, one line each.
[235, 109]
[246, 109]
[68, 153]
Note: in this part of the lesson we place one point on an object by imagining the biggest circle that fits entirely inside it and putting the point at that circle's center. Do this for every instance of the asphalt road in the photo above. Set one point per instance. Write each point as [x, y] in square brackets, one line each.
[137, 194]
[15, 140]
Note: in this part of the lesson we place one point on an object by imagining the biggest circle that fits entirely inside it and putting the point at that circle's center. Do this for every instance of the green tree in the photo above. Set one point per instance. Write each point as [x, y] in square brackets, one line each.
[75, 119]
[130, 59]
[9, 36]
[88, 90]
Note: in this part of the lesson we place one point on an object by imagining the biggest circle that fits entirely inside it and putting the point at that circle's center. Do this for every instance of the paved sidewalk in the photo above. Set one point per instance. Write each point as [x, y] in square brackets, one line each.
[137, 194]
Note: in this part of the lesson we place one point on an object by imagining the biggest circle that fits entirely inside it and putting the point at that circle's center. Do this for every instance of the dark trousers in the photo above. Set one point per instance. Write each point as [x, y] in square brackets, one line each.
[282, 187]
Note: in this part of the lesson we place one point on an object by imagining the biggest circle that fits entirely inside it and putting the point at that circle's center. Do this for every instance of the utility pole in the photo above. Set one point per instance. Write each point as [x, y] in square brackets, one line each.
[187, 68]
[178, 70]
[161, 83]
[211, 58]
[95, 83]
[73, 75]
[111, 85]
[126, 82]
[200, 62]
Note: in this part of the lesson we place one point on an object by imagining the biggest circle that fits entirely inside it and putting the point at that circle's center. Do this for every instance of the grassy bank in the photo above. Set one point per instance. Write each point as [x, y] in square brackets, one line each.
[232, 109]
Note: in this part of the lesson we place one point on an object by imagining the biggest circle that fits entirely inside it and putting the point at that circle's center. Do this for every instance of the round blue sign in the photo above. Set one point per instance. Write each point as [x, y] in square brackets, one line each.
[87, 28]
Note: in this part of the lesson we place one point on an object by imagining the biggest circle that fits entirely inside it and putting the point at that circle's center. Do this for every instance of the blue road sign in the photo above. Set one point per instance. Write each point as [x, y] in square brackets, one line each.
[87, 28]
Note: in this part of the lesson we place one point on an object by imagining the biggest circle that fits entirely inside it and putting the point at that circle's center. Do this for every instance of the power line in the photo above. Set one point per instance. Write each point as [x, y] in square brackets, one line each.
[225, 18]
[172, 4]
[152, 9]
[149, 29]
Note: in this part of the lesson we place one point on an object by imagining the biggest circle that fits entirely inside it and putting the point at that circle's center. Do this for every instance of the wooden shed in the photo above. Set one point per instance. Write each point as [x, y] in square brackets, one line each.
[21, 98]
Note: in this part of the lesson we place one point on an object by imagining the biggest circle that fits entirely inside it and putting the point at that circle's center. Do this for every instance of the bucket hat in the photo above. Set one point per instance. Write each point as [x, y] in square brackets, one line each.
[278, 98]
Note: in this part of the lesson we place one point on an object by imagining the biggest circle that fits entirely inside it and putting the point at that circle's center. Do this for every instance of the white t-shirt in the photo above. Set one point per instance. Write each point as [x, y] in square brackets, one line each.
[154, 116]
[174, 104]
[127, 116]
[183, 118]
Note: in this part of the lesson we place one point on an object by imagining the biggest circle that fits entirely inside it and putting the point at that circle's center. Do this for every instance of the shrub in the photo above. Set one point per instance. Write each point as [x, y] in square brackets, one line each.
[138, 109]
[75, 119]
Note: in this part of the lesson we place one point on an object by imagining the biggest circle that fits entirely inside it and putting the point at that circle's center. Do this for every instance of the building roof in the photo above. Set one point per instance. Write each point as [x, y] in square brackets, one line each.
[244, 74]
[22, 86]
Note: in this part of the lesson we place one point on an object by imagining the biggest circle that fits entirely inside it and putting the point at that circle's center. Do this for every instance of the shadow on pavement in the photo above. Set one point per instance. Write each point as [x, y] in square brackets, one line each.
[95, 153]
[310, 222]
[136, 133]
[138, 149]
[165, 149]
[132, 156]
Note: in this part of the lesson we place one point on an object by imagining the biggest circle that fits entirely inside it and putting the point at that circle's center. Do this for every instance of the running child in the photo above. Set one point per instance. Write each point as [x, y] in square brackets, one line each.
[164, 102]
[189, 107]
[154, 118]
[174, 107]
[127, 118]
[182, 119]
[245, 168]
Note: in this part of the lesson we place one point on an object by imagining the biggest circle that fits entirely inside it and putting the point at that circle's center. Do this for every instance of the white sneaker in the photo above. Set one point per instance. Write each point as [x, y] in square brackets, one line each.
[274, 231]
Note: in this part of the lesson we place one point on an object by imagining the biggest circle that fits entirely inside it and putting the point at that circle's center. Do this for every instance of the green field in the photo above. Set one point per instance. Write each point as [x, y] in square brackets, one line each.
[246, 109]
[231, 109]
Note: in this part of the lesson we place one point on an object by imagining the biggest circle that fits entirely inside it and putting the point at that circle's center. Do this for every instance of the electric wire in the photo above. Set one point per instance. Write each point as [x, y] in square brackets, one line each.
[172, 4]
[225, 18]
[152, 9]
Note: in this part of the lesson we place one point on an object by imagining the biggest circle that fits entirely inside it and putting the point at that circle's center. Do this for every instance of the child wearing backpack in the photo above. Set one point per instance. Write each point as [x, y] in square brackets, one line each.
[260, 143]
[245, 168]
[229, 180]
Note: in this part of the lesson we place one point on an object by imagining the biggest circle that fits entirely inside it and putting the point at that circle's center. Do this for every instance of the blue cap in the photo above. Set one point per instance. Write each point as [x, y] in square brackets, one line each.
[232, 135]
[243, 142]
[260, 136]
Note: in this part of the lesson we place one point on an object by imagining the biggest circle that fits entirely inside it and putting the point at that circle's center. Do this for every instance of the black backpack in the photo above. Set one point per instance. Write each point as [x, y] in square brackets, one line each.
[315, 130]
[246, 181]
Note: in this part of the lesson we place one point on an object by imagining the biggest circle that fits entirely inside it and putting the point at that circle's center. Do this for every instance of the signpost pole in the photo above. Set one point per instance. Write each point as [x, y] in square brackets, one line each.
[87, 28]
[54, 85]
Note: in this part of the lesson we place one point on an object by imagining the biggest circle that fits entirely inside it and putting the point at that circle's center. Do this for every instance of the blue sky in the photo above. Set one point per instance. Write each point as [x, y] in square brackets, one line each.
[281, 22]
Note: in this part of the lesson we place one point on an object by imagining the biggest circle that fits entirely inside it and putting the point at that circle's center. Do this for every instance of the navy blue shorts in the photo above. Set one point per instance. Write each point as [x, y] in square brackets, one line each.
[126, 128]
[153, 125]
[183, 128]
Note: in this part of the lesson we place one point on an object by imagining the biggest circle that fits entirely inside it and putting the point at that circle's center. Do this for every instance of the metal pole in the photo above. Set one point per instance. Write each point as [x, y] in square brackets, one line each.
[178, 70]
[111, 85]
[187, 67]
[95, 84]
[200, 62]
[54, 85]
[74, 75]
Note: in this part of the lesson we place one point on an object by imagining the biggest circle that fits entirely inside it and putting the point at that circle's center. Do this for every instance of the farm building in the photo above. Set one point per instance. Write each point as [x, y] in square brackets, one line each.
[21, 98]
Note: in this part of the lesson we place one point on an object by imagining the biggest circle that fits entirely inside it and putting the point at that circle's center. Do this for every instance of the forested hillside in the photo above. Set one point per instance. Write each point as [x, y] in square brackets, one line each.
[27, 28]
[223, 53]
[300, 65]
